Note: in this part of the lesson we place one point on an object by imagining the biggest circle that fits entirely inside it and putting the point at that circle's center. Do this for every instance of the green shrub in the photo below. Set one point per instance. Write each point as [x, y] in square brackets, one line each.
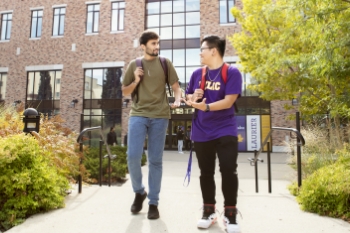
[327, 190]
[119, 166]
[34, 171]
[29, 182]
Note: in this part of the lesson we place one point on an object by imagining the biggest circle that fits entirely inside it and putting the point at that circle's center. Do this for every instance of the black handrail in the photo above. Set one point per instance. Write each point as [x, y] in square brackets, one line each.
[299, 136]
[109, 155]
[253, 162]
[80, 137]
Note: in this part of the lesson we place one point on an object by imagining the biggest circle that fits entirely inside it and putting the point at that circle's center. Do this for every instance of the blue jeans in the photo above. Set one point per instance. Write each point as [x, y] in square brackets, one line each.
[155, 128]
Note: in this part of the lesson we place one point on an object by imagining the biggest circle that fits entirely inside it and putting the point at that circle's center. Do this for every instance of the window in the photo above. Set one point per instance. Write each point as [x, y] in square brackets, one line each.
[118, 9]
[93, 16]
[43, 91]
[6, 23]
[59, 15]
[178, 24]
[225, 14]
[103, 99]
[37, 20]
[3, 79]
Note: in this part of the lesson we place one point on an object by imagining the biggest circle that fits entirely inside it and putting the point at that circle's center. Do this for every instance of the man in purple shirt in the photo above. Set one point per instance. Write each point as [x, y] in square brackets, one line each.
[214, 130]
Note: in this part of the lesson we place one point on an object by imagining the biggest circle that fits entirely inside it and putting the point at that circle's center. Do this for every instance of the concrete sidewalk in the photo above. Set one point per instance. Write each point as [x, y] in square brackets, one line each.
[107, 209]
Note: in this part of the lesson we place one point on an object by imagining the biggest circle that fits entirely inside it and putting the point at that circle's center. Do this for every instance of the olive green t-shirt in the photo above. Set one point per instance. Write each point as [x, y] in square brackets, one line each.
[152, 98]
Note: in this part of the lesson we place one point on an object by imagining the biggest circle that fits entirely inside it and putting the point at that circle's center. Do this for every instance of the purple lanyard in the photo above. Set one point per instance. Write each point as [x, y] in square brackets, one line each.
[188, 174]
[189, 166]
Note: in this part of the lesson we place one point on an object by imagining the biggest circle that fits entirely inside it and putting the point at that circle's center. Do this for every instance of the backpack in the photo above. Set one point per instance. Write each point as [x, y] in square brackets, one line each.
[224, 74]
[165, 69]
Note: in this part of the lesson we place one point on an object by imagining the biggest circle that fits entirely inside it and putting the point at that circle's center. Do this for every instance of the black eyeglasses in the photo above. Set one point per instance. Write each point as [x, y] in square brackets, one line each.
[201, 49]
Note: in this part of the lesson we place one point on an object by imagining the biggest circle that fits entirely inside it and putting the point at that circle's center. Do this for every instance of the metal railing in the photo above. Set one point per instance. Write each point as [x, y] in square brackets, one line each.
[254, 161]
[109, 154]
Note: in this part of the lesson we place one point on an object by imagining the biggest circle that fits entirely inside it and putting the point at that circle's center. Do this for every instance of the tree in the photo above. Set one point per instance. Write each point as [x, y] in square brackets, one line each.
[297, 48]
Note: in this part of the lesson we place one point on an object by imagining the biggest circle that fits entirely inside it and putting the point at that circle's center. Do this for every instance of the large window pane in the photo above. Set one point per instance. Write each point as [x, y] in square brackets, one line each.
[55, 25]
[96, 21]
[121, 20]
[166, 20]
[178, 5]
[166, 33]
[58, 84]
[97, 80]
[179, 32]
[40, 21]
[192, 57]
[89, 22]
[3, 81]
[192, 31]
[179, 19]
[153, 8]
[179, 57]
[193, 18]
[61, 25]
[33, 31]
[166, 7]
[3, 32]
[192, 5]
[88, 84]
[153, 21]
[30, 93]
[167, 53]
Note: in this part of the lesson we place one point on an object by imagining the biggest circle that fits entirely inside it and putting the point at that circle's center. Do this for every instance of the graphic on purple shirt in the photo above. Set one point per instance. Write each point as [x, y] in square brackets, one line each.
[214, 124]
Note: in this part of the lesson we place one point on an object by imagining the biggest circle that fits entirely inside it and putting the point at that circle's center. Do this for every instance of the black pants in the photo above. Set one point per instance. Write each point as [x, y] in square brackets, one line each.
[227, 150]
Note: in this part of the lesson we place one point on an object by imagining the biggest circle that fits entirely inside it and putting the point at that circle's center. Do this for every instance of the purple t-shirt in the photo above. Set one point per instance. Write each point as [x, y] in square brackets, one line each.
[215, 124]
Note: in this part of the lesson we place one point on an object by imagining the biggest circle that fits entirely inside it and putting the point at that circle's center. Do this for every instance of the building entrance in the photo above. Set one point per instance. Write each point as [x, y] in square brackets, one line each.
[171, 139]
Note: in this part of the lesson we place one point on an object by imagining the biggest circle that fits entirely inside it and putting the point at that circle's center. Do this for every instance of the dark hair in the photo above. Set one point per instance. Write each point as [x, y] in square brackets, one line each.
[215, 42]
[146, 36]
[111, 128]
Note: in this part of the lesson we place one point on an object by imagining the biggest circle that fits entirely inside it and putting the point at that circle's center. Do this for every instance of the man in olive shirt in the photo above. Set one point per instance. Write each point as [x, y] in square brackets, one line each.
[149, 115]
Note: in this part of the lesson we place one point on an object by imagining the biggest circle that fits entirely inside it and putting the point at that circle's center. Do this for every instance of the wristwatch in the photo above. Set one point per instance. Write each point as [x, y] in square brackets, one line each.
[207, 108]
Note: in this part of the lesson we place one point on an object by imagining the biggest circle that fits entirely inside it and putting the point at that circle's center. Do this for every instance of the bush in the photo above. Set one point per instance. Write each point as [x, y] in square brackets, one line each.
[327, 191]
[29, 182]
[119, 166]
[34, 172]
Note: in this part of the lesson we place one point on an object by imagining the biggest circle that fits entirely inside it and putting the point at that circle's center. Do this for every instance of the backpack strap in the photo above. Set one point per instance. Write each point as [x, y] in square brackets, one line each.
[204, 72]
[165, 69]
[224, 74]
[135, 92]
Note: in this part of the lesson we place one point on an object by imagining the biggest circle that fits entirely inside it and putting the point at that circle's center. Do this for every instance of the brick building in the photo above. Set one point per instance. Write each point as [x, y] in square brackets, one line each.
[68, 56]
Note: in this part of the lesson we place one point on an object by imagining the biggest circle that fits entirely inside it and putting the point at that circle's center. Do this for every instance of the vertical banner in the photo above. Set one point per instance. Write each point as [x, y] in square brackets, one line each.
[241, 133]
[253, 132]
[265, 129]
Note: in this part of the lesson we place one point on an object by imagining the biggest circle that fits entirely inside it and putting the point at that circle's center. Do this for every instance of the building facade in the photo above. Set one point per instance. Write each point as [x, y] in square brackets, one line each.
[67, 57]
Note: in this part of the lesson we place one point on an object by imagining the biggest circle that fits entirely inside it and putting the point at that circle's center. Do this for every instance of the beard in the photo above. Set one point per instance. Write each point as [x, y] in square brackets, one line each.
[152, 53]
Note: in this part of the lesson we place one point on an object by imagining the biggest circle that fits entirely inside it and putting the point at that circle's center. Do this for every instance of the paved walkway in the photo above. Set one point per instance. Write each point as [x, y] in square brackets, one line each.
[107, 209]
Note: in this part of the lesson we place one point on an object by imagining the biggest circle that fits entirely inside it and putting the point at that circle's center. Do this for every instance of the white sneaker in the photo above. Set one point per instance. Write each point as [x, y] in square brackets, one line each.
[230, 221]
[181, 152]
[209, 217]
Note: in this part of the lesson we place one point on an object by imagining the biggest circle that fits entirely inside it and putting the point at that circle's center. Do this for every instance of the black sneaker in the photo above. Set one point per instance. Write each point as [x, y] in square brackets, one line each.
[153, 212]
[137, 205]
[209, 216]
